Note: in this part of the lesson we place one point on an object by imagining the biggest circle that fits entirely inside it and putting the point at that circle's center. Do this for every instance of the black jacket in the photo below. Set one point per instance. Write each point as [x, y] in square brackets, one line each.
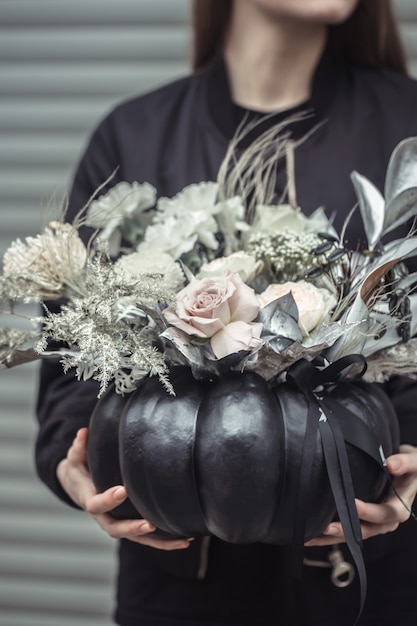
[170, 138]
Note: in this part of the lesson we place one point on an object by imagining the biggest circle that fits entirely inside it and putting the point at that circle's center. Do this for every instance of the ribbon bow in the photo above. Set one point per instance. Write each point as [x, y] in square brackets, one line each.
[334, 435]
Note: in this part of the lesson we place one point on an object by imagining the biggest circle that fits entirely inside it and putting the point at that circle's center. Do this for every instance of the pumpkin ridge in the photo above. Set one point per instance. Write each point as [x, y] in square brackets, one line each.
[194, 463]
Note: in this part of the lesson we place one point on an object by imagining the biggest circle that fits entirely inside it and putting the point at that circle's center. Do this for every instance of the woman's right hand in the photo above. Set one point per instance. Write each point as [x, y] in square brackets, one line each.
[76, 480]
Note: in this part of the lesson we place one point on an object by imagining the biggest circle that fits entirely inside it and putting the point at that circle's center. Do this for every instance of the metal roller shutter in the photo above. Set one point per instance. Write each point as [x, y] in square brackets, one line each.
[63, 65]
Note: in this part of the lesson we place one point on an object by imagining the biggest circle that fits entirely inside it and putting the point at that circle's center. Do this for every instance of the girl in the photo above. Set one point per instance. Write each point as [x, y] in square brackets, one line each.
[342, 60]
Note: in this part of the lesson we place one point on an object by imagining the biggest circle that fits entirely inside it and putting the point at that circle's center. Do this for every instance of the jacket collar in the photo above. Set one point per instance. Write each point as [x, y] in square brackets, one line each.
[226, 115]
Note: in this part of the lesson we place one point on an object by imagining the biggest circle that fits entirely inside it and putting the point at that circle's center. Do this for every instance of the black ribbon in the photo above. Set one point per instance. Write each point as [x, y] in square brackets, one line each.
[320, 418]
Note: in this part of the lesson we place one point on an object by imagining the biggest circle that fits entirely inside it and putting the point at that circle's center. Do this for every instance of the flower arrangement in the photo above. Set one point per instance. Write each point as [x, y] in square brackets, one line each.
[219, 278]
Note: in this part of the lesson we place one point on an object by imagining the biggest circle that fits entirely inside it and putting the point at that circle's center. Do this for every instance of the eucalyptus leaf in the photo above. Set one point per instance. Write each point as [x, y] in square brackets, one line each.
[325, 335]
[391, 323]
[193, 354]
[372, 208]
[400, 184]
[351, 341]
[390, 337]
[401, 209]
[270, 363]
[278, 343]
[408, 281]
[395, 252]
[398, 250]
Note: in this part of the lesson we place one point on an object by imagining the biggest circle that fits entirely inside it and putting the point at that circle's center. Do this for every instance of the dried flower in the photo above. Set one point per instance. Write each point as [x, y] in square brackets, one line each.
[48, 263]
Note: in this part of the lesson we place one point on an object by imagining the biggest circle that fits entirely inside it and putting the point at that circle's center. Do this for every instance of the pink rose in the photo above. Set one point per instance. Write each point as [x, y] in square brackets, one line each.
[220, 308]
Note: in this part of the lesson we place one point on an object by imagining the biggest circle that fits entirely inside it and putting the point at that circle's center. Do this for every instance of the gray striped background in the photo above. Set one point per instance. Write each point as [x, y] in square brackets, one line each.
[63, 65]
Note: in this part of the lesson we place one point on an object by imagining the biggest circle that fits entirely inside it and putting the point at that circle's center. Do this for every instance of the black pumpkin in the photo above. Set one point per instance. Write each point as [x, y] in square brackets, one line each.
[223, 456]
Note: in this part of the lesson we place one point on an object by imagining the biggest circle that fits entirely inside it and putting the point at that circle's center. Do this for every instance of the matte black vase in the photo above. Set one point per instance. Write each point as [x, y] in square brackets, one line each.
[224, 456]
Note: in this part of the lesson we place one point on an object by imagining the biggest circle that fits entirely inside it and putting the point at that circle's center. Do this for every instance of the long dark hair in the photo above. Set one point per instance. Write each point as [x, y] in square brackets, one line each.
[370, 36]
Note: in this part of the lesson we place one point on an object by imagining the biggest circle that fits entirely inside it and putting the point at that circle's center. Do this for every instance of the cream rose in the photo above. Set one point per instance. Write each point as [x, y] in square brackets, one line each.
[237, 263]
[221, 309]
[313, 303]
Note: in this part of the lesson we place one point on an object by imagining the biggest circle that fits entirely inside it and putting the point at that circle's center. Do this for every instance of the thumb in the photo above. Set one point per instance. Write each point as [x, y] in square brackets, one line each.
[404, 462]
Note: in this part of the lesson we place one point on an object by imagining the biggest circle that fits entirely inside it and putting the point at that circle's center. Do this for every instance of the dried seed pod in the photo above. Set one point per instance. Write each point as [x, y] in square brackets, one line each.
[372, 254]
[405, 307]
[323, 248]
[336, 255]
[404, 331]
[315, 272]
[328, 237]
[393, 303]
[341, 280]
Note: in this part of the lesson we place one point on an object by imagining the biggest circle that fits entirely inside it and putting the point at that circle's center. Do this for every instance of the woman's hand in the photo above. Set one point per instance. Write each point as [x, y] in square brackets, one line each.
[76, 480]
[377, 519]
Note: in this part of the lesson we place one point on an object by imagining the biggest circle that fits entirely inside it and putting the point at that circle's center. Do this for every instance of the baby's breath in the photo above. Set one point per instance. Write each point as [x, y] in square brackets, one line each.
[286, 254]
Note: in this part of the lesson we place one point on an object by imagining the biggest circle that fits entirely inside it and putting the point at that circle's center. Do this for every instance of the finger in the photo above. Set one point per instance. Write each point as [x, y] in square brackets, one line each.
[374, 513]
[124, 529]
[332, 534]
[77, 453]
[162, 544]
[388, 514]
[372, 530]
[106, 501]
[138, 531]
[322, 541]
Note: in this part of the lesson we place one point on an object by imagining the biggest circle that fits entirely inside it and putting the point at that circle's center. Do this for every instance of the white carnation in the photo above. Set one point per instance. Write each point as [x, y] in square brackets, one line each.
[124, 201]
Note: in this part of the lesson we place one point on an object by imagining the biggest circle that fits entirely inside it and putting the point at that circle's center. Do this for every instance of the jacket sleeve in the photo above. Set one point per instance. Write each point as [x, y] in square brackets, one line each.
[65, 404]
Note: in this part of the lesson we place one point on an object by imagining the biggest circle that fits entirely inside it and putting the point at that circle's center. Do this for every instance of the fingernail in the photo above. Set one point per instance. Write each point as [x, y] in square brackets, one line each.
[148, 528]
[331, 530]
[119, 493]
[394, 465]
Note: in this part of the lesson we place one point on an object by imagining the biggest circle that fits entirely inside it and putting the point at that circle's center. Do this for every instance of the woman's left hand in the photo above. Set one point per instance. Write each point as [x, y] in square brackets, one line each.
[377, 519]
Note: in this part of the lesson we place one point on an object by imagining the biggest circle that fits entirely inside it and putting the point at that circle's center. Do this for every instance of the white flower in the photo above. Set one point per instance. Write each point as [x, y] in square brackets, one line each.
[191, 214]
[124, 201]
[279, 217]
[313, 303]
[197, 198]
[174, 237]
[136, 264]
[49, 262]
[241, 263]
